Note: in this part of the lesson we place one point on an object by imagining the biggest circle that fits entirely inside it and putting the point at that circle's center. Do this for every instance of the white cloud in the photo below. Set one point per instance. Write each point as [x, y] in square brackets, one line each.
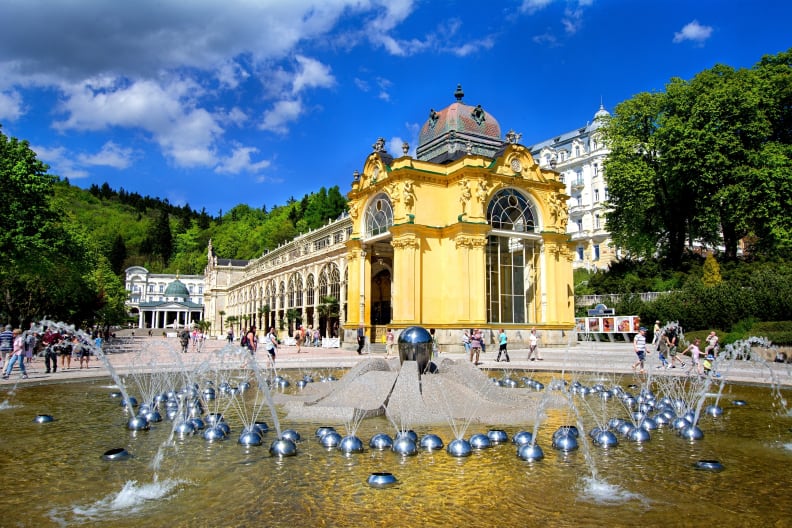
[281, 114]
[532, 6]
[11, 107]
[240, 161]
[693, 31]
[573, 20]
[60, 162]
[111, 155]
[362, 85]
[311, 74]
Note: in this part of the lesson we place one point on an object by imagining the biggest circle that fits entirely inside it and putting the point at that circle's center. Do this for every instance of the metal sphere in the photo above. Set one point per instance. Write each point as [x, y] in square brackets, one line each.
[118, 453]
[381, 441]
[739, 403]
[480, 441]
[331, 439]
[214, 434]
[184, 428]
[567, 430]
[291, 434]
[115, 395]
[615, 423]
[209, 394]
[661, 419]
[679, 422]
[283, 447]
[132, 402]
[244, 386]
[410, 433]
[301, 384]
[530, 452]
[606, 395]
[709, 465]
[565, 442]
[625, 428]
[404, 445]
[497, 436]
[639, 434]
[250, 437]
[321, 431]
[261, 427]
[351, 444]
[223, 426]
[198, 423]
[415, 344]
[214, 418]
[432, 442]
[459, 447]
[522, 438]
[649, 424]
[691, 432]
[381, 480]
[153, 416]
[43, 418]
[606, 439]
[138, 423]
[714, 411]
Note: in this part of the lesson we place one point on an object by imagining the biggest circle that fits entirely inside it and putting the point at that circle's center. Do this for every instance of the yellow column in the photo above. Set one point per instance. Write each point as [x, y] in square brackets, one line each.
[406, 293]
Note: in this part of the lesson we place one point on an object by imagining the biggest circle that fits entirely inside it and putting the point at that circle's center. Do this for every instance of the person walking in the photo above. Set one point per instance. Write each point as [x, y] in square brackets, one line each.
[466, 342]
[271, 343]
[250, 340]
[361, 338]
[50, 341]
[475, 346]
[390, 342]
[502, 340]
[6, 344]
[533, 346]
[184, 340]
[673, 350]
[17, 354]
[639, 346]
[695, 354]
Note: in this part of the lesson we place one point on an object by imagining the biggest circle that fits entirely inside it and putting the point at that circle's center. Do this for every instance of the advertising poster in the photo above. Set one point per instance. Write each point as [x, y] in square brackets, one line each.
[580, 323]
[593, 324]
[624, 324]
[607, 325]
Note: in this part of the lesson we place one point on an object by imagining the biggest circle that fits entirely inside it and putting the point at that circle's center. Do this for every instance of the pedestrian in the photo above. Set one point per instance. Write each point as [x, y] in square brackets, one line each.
[712, 344]
[673, 349]
[466, 342]
[230, 336]
[31, 342]
[695, 354]
[502, 339]
[390, 342]
[17, 354]
[6, 343]
[184, 340]
[533, 346]
[475, 346]
[361, 338]
[639, 347]
[271, 343]
[65, 351]
[435, 348]
[251, 341]
[50, 341]
[299, 338]
[656, 334]
[83, 351]
[316, 338]
[662, 350]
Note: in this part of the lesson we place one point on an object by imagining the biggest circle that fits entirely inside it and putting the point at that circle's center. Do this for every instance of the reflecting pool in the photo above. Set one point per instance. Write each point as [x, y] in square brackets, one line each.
[53, 474]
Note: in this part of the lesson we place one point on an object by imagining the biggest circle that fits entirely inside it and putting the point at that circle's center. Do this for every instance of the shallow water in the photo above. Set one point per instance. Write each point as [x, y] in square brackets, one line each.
[53, 474]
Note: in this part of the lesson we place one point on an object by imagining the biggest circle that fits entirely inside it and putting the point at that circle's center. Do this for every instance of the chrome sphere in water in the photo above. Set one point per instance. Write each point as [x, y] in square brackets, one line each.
[606, 439]
[381, 480]
[530, 452]
[639, 434]
[459, 447]
[648, 423]
[625, 428]
[184, 428]
[691, 432]
[250, 437]
[214, 418]
[43, 418]
[214, 434]
[119, 453]
[432, 442]
[739, 403]
[679, 422]
[351, 444]
[714, 411]
[497, 436]
[409, 433]
[321, 431]
[522, 438]
[415, 344]
[131, 403]
[709, 465]
[291, 434]
[480, 441]
[209, 394]
[565, 442]
[283, 447]
[405, 445]
[331, 439]
[261, 427]
[153, 416]
[381, 441]
[138, 423]
[198, 423]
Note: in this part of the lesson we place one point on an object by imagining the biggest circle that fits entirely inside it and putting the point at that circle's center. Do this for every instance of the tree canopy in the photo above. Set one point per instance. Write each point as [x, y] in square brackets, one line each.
[708, 160]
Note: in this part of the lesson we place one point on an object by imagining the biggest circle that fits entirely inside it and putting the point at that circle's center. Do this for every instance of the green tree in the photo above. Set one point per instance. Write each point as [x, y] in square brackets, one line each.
[712, 275]
[118, 254]
[110, 294]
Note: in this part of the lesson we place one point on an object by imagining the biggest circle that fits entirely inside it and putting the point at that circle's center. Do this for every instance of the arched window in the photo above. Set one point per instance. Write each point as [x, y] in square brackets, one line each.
[299, 292]
[512, 258]
[379, 216]
[509, 210]
[309, 289]
[291, 292]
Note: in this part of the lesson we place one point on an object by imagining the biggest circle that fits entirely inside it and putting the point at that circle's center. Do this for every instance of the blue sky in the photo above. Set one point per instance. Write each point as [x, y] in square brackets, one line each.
[220, 103]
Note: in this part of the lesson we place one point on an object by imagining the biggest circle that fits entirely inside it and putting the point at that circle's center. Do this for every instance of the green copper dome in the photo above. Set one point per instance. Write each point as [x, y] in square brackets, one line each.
[177, 289]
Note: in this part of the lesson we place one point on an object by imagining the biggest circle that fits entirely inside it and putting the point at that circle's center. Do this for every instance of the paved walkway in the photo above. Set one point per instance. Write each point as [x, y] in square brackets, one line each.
[606, 358]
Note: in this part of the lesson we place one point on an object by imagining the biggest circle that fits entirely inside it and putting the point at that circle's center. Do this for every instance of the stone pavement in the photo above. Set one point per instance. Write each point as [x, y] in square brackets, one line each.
[606, 358]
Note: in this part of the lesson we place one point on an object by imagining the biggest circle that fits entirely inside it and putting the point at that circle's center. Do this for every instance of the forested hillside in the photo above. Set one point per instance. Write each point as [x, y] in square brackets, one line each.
[133, 230]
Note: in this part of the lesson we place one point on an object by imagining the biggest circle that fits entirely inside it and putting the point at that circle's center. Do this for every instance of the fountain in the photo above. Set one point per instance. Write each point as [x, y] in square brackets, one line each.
[745, 448]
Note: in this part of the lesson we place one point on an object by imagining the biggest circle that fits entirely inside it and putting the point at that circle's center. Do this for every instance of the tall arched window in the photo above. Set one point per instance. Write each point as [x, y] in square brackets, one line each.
[379, 216]
[309, 289]
[291, 291]
[512, 258]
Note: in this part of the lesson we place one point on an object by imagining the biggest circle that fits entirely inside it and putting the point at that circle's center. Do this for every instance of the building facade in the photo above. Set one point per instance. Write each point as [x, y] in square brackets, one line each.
[579, 156]
[471, 232]
[160, 300]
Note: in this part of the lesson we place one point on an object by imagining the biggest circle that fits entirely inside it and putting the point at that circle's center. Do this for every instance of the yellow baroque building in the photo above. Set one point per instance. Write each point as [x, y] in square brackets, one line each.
[468, 233]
